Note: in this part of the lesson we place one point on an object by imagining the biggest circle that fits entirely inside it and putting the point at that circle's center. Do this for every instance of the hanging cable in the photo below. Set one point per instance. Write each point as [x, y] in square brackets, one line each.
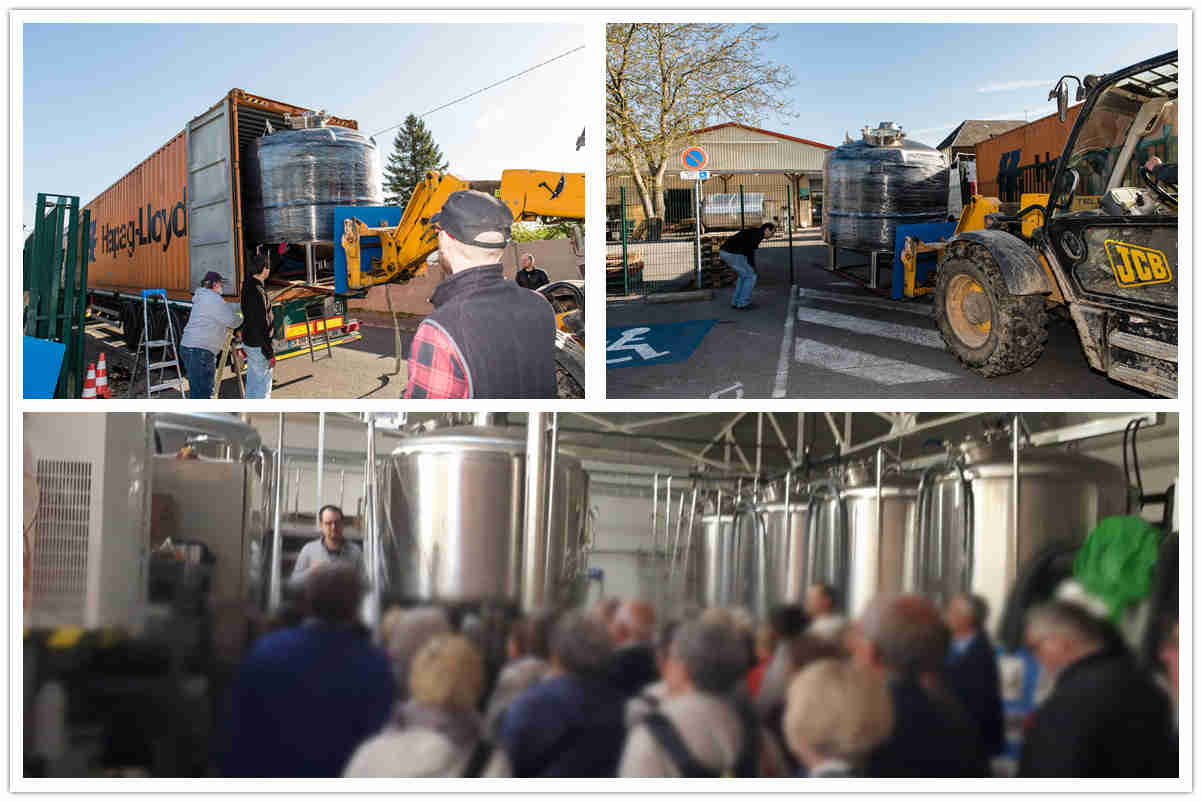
[484, 89]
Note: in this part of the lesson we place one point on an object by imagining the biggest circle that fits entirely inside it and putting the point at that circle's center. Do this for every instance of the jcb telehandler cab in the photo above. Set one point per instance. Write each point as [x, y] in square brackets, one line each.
[1102, 243]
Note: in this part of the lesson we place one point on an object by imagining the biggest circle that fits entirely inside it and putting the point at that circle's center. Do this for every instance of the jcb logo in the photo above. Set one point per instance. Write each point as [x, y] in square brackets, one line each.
[1137, 266]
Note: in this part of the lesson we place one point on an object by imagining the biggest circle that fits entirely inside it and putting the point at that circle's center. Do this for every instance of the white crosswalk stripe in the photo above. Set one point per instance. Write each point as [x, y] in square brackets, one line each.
[909, 307]
[915, 335]
[863, 365]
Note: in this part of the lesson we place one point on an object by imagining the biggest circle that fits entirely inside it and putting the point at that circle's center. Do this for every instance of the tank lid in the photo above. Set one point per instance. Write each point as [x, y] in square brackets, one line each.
[307, 119]
[475, 438]
[886, 134]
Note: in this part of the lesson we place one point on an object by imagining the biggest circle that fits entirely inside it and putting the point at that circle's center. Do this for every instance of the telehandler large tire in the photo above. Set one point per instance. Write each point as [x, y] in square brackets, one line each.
[988, 329]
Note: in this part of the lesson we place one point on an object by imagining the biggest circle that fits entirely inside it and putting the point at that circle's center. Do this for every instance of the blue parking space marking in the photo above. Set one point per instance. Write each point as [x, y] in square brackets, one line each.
[632, 346]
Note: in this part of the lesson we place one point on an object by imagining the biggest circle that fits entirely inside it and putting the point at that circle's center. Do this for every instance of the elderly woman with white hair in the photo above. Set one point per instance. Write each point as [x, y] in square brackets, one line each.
[835, 714]
[437, 732]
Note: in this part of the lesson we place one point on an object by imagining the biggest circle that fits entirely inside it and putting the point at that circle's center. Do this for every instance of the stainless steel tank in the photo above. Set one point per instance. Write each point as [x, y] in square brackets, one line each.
[453, 515]
[1062, 495]
[877, 182]
[846, 547]
[716, 558]
[786, 542]
[295, 178]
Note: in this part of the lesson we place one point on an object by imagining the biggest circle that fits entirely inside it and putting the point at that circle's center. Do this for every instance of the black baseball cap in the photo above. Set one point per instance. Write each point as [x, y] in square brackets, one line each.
[475, 218]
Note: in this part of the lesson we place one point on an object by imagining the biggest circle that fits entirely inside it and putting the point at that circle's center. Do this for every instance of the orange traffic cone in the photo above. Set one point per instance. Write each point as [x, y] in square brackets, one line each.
[102, 379]
[89, 387]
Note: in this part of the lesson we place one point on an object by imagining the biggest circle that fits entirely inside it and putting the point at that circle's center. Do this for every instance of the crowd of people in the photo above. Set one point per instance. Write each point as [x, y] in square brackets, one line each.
[903, 690]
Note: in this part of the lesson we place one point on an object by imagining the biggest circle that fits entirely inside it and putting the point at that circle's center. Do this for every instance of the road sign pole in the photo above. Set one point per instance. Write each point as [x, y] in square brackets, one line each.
[625, 264]
[789, 221]
[697, 228]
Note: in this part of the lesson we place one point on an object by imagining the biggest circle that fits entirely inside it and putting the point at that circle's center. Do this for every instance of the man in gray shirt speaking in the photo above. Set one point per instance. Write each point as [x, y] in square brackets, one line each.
[330, 547]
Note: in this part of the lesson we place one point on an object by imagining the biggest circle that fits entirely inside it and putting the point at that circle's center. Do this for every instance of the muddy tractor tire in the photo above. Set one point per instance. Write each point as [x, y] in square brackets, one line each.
[990, 330]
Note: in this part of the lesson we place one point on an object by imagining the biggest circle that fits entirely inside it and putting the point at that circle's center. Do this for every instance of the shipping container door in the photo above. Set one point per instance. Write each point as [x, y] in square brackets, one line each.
[210, 198]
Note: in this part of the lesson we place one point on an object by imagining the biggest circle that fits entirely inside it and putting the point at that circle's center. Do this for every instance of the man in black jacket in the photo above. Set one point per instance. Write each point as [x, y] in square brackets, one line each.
[528, 275]
[256, 328]
[903, 641]
[1105, 717]
[972, 672]
[633, 666]
[487, 337]
[738, 252]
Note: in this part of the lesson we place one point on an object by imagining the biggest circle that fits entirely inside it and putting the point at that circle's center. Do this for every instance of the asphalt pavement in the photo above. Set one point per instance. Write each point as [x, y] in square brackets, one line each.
[841, 341]
[363, 368]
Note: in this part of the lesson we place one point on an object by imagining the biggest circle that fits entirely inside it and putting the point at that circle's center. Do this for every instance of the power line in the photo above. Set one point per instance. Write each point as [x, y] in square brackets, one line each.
[485, 89]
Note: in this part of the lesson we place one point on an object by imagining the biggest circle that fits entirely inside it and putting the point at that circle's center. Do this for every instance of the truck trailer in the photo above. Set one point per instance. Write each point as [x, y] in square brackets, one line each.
[184, 211]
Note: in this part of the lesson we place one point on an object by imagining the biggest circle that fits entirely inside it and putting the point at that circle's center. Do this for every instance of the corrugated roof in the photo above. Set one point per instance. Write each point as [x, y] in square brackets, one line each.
[970, 132]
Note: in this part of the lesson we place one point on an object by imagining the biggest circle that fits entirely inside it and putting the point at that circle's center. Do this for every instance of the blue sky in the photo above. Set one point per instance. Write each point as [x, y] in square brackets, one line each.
[930, 78]
[100, 98]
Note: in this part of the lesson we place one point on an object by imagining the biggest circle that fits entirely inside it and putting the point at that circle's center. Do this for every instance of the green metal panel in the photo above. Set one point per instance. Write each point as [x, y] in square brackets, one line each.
[55, 277]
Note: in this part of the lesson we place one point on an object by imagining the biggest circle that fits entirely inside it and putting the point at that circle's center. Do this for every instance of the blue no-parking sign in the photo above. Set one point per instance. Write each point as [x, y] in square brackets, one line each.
[694, 158]
[632, 346]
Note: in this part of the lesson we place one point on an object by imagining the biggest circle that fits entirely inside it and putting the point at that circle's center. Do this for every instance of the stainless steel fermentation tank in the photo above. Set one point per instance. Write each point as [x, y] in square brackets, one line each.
[878, 182]
[752, 553]
[856, 533]
[453, 511]
[967, 539]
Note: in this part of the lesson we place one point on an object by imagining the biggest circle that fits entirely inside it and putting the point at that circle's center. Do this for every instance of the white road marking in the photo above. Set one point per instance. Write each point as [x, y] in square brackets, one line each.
[864, 365]
[909, 307]
[915, 335]
[782, 366]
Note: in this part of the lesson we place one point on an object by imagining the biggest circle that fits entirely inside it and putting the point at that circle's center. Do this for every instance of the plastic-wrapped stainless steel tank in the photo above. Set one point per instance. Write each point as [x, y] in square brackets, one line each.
[845, 546]
[453, 506]
[1062, 495]
[877, 182]
[295, 178]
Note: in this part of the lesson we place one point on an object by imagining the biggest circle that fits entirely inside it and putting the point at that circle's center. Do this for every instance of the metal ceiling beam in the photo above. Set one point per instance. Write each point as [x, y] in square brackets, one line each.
[739, 452]
[725, 430]
[613, 427]
[780, 435]
[830, 421]
[664, 419]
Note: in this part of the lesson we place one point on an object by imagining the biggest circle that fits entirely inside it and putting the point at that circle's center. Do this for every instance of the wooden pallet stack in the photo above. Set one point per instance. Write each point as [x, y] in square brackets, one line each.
[714, 272]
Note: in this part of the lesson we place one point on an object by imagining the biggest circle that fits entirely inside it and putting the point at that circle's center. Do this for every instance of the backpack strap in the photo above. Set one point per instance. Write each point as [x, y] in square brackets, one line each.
[481, 752]
[748, 762]
[669, 739]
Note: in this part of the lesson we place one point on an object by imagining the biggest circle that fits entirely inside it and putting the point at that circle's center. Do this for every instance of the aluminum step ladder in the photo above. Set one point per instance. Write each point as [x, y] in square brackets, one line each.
[169, 355]
[310, 331]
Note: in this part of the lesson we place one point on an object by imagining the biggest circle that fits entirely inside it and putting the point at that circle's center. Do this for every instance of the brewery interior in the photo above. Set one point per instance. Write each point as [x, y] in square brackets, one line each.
[158, 545]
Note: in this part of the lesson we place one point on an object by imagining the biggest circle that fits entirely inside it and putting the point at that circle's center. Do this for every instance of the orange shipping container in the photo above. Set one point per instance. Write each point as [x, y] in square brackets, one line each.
[172, 218]
[1041, 140]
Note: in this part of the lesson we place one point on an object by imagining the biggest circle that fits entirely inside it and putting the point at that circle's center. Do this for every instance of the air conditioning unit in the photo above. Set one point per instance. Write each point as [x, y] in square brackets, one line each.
[87, 544]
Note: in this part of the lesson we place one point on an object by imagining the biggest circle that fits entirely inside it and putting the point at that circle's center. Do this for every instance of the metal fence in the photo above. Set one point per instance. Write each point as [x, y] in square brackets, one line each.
[680, 250]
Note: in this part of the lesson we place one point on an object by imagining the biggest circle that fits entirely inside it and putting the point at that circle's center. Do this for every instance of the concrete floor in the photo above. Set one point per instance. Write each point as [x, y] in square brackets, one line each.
[359, 369]
[844, 342]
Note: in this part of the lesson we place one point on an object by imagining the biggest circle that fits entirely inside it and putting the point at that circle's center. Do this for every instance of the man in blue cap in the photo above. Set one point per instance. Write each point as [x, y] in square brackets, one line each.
[487, 337]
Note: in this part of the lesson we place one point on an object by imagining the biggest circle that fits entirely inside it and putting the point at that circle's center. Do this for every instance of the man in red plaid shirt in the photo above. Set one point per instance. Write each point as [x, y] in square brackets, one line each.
[487, 337]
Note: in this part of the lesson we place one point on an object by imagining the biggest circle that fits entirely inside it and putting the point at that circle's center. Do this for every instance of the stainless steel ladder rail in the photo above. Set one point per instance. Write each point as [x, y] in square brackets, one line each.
[168, 344]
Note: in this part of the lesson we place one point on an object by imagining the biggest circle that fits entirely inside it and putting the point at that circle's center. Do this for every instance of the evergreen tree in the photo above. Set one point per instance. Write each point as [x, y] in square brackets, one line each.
[414, 152]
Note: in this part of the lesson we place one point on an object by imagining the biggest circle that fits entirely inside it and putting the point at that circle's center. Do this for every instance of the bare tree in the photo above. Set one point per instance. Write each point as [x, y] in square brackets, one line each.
[664, 80]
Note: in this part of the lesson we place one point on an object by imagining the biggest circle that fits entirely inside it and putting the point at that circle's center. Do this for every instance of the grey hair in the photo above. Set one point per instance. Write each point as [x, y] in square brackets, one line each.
[1069, 620]
[908, 633]
[405, 632]
[581, 644]
[713, 653]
